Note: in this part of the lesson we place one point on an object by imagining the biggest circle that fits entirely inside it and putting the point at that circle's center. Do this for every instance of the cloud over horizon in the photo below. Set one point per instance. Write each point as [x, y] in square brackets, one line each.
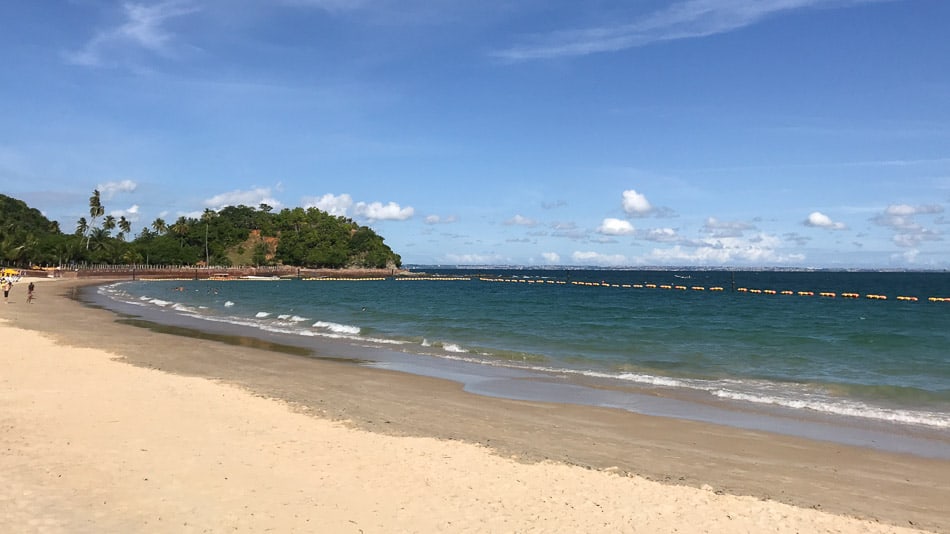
[687, 19]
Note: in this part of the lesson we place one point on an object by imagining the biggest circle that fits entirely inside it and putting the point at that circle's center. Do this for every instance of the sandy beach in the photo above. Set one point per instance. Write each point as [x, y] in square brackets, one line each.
[107, 427]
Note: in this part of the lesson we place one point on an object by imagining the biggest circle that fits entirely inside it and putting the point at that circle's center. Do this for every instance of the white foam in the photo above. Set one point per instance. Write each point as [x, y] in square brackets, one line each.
[159, 302]
[228, 304]
[651, 379]
[261, 315]
[843, 407]
[337, 327]
[452, 347]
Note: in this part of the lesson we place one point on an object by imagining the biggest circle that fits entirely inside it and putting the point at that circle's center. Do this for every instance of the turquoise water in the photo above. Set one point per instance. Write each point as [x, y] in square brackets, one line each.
[870, 359]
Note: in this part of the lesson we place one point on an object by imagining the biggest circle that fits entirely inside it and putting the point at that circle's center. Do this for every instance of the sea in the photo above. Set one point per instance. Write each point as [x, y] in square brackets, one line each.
[860, 358]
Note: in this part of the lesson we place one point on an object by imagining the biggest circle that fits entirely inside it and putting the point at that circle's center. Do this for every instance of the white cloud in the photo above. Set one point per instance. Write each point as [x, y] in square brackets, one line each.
[905, 210]
[679, 20]
[377, 211]
[551, 257]
[725, 229]
[818, 219]
[110, 189]
[635, 203]
[252, 198]
[519, 220]
[662, 235]
[760, 249]
[143, 28]
[436, 219]
[596, 258]
[909, 256]
[612, 226]
[908, 233]
[337, 205]
[475, 259]
[568, 230]
[131, 213]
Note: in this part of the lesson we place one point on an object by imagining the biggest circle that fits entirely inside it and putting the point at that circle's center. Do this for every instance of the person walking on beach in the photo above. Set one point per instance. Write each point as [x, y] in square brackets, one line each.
[29, 293]
[6, 290]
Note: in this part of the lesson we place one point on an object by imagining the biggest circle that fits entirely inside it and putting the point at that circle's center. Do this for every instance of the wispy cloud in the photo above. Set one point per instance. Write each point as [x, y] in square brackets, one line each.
[687, 19]
[902, 220]
[110, 189]
[253, 197]
[520, 220]
[330, 5]
[143, 28]
[586, 257]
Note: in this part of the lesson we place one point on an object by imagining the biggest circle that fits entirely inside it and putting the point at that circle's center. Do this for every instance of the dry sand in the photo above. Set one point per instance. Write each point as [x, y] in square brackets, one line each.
[199, 436]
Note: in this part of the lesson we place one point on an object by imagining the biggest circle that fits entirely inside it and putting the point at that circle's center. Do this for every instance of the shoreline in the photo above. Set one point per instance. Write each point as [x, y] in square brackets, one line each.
[567, 385]
[896, 489]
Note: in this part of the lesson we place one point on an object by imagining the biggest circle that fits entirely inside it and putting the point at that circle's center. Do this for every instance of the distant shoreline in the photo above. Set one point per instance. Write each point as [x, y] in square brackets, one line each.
[122, 272]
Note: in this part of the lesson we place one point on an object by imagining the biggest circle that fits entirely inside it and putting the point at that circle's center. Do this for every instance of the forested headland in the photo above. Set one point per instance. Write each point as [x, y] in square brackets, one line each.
[231, 236]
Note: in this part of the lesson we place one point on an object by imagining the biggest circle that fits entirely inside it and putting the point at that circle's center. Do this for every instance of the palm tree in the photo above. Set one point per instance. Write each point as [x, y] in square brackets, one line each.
[82, 226]
[99, 236]
[159, 226]
[206, 217]
[27, 248]
[95, 211]
[180, 228]
[108, 224]
[125, 227]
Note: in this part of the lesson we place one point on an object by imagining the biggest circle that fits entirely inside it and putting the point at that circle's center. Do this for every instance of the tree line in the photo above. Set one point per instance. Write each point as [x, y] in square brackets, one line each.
[234, 235]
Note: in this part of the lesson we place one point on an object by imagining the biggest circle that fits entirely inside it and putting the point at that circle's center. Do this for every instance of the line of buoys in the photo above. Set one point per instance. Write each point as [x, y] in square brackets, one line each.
[757, 291]
[340, 279]
[434, 278]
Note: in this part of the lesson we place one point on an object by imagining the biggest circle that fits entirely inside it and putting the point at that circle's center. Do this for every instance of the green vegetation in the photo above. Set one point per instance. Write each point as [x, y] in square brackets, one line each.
[235, 235]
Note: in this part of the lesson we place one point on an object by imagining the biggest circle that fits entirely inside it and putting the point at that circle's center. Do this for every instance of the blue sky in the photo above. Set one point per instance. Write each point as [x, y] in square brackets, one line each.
[734, 133]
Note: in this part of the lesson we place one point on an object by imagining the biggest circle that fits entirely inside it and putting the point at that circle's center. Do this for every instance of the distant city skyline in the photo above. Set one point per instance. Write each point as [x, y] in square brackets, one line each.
[689, 133]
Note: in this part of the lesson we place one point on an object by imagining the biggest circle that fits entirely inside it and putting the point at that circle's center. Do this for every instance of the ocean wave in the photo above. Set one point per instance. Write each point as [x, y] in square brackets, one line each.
[261, 315]
[337, 327]
[183, 308]
[228, 304]
[292, 318]
[843, 407]
[652, 379]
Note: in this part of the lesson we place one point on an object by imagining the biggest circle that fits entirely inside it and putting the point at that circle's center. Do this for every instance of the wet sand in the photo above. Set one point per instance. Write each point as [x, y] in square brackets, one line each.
[276, 440]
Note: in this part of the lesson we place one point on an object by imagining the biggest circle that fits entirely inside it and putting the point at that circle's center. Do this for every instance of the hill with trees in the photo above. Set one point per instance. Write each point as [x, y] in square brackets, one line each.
[234, 235]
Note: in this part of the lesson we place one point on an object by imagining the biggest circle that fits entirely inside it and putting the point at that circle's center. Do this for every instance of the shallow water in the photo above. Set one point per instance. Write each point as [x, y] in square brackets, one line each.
[874, 364]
